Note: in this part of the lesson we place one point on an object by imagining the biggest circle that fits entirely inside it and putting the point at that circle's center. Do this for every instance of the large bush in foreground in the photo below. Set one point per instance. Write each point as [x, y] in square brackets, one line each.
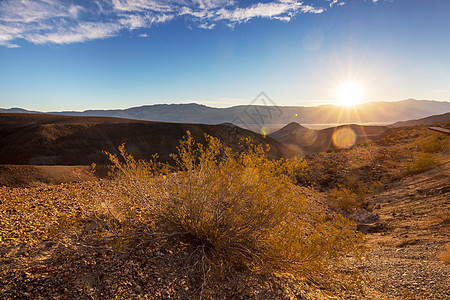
[240, 211]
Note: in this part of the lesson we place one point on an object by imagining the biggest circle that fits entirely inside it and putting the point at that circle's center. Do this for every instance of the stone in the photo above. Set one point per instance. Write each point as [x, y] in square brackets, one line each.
[369, 228]
[364, 216]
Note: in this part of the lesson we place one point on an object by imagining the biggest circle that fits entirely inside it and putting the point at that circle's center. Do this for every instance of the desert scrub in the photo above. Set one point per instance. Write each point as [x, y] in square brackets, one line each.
[422, 162]
[238, 210]
[344, 199]
[434, 143]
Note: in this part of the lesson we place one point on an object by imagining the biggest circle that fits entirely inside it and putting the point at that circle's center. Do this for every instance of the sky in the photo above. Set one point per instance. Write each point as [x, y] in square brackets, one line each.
[104, 54]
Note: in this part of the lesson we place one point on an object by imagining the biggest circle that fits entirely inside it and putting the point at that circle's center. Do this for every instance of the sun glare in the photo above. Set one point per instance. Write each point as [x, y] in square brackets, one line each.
[349, 94]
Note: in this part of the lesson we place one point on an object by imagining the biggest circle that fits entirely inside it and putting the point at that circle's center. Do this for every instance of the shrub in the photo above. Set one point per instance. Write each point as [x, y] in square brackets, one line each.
[240, 211]
[342, 198]
[422, 162]
[433, 144]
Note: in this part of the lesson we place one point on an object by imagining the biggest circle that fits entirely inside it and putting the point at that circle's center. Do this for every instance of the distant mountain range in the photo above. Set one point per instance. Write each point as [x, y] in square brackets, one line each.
[257, 116]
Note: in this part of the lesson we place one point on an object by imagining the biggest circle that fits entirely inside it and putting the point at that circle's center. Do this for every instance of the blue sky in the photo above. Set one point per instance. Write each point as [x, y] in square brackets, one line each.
[77, 55]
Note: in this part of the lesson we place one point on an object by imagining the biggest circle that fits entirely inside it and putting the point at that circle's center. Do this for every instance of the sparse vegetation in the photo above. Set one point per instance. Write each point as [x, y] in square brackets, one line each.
[366, 168]
[198, 228]
[434, 143]
[342, 198]
[240, 211]
[422, 162]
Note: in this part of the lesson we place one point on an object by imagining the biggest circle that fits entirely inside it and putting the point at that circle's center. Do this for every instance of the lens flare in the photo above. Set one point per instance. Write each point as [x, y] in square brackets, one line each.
[308, 138]
[264, 131]
[344, 137]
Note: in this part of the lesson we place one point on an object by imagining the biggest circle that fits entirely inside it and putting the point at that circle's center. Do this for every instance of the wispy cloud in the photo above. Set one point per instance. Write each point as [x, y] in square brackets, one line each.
[338, 2]
[69, 21]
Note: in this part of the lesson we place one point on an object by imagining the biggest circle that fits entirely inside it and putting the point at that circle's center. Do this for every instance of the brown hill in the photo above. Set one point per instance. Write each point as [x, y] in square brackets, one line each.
[289, 132]
[42, 139]
[310, 141]
[424, 121]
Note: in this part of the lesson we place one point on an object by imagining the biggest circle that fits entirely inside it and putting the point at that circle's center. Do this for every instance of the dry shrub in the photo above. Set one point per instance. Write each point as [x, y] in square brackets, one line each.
[434, 143]
[422, 162]
[240, 211]
[342, 198]
[445, 255]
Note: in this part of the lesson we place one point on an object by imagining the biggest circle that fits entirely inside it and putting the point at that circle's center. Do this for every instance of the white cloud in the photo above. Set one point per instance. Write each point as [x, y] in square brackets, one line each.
[336, 2]
[207, 26]
[84, 31]
[262, 10]
[132, 22]
[62, 22]
[141, 5]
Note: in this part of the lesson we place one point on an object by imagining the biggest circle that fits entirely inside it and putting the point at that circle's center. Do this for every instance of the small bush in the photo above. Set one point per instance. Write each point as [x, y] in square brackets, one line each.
[342, 198]
[240, 211]
[422, 162]
[433, 144]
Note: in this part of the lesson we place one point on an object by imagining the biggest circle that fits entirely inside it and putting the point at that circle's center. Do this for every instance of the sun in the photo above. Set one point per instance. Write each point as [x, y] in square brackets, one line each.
[349, 94]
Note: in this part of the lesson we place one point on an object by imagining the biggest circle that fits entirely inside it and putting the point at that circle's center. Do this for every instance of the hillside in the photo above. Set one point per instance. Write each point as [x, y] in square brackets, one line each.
[255, 116]
[42, 139]
[424, 121]
[308, 141]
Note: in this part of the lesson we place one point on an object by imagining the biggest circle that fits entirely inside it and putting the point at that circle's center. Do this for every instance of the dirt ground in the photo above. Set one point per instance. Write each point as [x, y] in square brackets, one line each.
[412, 229]
[415, 215]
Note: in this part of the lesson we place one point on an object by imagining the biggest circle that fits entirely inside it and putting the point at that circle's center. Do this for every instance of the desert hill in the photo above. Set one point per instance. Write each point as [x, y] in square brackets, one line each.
[263, 115]
[424, 121]
[42, 139]
[289, 131]
[313, 141]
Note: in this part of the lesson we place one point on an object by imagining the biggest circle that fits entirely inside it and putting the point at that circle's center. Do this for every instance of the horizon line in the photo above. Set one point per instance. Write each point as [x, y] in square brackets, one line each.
[220, 107]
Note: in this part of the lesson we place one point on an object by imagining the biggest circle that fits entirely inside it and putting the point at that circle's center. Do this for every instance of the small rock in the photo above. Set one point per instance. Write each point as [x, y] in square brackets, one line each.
[363, 216]
[369, 228]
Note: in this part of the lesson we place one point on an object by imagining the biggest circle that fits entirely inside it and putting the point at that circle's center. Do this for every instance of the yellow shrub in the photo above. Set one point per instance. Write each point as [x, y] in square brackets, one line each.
[434, 143]
[240, 210]
[344, 199]
[422, 162]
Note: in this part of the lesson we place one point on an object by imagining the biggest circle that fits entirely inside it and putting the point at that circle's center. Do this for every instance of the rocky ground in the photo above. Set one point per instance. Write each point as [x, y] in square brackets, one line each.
[404, 262]
[43, 256]
[415, 218]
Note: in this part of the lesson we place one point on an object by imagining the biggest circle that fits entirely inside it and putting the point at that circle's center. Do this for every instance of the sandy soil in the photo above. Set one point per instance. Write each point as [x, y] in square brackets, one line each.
[415, 215]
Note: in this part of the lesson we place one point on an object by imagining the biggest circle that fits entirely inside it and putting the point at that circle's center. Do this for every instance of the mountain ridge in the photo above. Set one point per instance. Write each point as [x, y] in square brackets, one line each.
[254, 116]
[424, 121]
